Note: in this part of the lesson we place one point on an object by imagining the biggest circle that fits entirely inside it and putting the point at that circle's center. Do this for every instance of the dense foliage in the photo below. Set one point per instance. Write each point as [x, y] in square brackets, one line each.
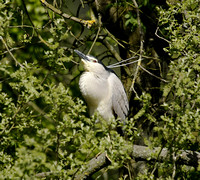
[44, 124]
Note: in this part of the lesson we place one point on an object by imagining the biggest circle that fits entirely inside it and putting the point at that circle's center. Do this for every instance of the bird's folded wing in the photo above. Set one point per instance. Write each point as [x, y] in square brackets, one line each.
[119, 99]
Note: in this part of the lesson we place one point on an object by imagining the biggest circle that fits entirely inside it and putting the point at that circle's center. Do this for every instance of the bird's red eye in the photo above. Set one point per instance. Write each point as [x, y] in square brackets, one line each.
[94, 60]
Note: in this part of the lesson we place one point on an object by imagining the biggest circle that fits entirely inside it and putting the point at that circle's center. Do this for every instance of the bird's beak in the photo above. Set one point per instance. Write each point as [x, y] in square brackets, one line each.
[83, 56]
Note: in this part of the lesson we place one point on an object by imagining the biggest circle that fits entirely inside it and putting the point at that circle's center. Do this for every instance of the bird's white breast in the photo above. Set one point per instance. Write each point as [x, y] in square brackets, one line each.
[95, 91]
[92, 87]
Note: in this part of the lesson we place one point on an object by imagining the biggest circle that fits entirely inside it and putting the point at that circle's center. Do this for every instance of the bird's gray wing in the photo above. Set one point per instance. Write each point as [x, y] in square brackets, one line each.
[119, 99]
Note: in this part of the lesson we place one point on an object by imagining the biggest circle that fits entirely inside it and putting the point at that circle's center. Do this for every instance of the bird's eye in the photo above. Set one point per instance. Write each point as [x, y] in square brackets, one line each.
[94, 60]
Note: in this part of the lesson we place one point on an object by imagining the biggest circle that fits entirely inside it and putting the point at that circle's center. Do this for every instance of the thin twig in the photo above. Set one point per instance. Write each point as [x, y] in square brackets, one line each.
[99, 29]
[141, 46]
[174, 164]
[40, 111]
[17, 63]
[153, 74]
[23, 26]
[8, 131]
[12, 49]
[41, 39]
[99, 26]
[113, 37]
[160, 36]
[97, 35]
[157, 160]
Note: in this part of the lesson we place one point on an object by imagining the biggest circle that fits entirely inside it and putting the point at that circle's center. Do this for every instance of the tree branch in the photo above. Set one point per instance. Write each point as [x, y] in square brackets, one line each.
[47, 174]
[40, 111]
[87, 23]
[183, 157]
[94, 165]
[141, 46]
[17, 63]
[39, 36]
[152, 74]
[99, 28]
[187, 157]
[156, 33]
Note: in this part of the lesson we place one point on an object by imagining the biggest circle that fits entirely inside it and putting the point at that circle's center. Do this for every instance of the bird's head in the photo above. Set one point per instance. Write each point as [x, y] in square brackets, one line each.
[91, 63]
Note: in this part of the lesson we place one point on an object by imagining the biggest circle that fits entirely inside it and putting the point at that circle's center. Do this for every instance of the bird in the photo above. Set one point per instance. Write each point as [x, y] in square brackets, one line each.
[102, 90]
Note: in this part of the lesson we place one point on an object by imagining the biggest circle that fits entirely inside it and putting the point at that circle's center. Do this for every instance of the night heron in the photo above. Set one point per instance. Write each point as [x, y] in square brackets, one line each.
[102, 89]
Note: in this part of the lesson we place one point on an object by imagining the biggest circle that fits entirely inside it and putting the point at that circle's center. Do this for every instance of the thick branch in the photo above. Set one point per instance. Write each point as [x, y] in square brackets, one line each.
[187, 157]
[94, 165]
[184, 157]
